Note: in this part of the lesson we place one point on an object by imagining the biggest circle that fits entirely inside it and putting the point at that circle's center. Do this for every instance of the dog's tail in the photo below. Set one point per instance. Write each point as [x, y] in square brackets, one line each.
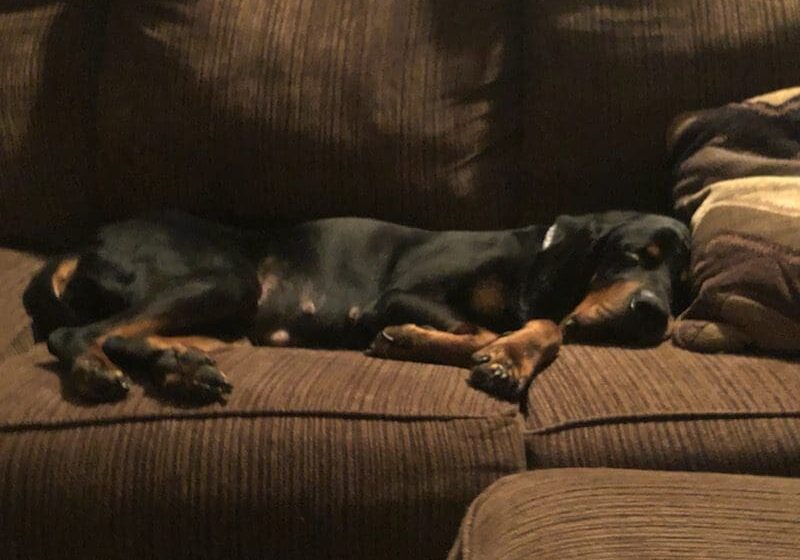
[47, 310]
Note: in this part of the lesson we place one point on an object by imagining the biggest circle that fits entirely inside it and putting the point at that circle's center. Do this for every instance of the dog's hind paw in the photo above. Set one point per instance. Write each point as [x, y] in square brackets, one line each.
[195, 377]
[97, 380]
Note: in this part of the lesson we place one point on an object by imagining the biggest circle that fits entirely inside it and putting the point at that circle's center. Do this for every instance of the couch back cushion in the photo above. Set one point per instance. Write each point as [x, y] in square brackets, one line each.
[606, 77]
[286, 110]
[46, 80]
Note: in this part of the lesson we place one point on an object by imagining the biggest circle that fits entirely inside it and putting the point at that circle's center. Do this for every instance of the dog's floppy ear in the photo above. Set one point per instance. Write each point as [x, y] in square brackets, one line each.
[561, 272]
[562, 269]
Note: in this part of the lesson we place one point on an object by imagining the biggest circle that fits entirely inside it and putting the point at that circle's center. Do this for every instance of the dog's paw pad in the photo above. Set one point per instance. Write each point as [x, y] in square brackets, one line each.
[497, 379]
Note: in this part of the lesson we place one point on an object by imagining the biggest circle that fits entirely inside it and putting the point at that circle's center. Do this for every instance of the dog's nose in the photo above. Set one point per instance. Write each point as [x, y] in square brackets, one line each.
[649, 313]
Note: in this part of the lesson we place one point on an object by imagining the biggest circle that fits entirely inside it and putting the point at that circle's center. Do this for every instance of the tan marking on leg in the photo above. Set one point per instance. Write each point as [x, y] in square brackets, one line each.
[183, 343]
[62, 275]
[137, 327]
[414, 343]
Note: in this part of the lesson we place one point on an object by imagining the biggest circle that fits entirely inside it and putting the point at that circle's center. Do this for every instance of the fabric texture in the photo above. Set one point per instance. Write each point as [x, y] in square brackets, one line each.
[316, 454]
[665, 408]
[47, 61]
[16, 270]
[287, 111]
[737, 170]
[605, 78]
[595, 514]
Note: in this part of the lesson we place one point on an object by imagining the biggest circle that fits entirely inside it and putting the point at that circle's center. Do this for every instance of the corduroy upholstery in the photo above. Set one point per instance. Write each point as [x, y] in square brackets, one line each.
[264, 111]
[605, 514]
[607, 77]
[16, 270]
[317, 454]
[48, 52]
[666, 408]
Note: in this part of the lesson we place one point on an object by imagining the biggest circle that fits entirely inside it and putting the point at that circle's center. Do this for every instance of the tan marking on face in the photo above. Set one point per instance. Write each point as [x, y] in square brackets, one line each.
[604, 302]
[354, 314]
[279, 337]
[653, 251]
[63, 274]
[488, 296]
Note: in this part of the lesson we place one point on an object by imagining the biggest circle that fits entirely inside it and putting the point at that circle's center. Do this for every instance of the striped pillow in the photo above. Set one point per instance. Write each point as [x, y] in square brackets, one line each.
[738, 182]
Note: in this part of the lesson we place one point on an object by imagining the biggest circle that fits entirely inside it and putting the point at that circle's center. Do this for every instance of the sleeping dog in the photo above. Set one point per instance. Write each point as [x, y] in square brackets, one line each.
[159, 293]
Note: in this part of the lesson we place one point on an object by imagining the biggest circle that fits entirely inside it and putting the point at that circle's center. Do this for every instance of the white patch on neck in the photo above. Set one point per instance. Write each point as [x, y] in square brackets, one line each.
[548, 237]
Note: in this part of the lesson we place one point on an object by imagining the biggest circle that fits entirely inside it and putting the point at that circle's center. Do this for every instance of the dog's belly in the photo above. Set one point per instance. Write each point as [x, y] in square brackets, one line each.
[312, 310]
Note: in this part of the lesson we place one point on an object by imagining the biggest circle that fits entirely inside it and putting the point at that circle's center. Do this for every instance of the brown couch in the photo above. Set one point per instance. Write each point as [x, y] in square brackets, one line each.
[436, 113]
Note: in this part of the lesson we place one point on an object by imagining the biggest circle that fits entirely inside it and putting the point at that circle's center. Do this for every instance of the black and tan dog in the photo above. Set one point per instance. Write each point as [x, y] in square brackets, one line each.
[159, 293]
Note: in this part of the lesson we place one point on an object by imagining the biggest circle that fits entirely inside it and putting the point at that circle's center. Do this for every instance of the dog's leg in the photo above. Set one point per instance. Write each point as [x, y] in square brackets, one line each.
[413, 343]
[191, 305]
[506, 367]
[502, 366]
[414, 329]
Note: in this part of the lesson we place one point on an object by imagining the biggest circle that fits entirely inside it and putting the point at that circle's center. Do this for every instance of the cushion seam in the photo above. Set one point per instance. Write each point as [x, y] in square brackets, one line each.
[21, 427]
[657, 418]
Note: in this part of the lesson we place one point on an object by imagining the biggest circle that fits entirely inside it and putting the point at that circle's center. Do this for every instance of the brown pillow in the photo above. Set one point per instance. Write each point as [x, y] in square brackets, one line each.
[738, 181]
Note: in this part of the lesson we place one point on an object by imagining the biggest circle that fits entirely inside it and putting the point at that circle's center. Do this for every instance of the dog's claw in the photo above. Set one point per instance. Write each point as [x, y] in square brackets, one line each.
[387, 337]
[481, 359]
[496, 380]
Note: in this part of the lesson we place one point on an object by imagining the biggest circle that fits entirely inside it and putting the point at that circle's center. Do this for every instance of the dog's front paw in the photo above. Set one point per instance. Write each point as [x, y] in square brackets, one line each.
[496, 372]
[98, 380]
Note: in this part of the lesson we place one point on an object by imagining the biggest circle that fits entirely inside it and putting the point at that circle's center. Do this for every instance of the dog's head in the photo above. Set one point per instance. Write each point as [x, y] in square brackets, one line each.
[628, 275]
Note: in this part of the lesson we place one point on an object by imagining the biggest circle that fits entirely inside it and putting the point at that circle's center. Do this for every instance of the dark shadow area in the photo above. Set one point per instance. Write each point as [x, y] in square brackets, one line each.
[49, 182]
[596, 121]
[173, 137]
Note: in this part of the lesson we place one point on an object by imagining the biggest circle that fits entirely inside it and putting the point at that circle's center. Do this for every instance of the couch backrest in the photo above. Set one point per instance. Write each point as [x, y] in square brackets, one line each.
[47, 61]
[604, 79]
[438, 113]
[288, 110]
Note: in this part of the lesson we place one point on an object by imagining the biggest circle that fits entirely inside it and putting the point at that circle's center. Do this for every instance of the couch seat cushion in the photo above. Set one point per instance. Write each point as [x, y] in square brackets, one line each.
[666, 408]
[627, 514]
[16, 270]
[317, 453]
